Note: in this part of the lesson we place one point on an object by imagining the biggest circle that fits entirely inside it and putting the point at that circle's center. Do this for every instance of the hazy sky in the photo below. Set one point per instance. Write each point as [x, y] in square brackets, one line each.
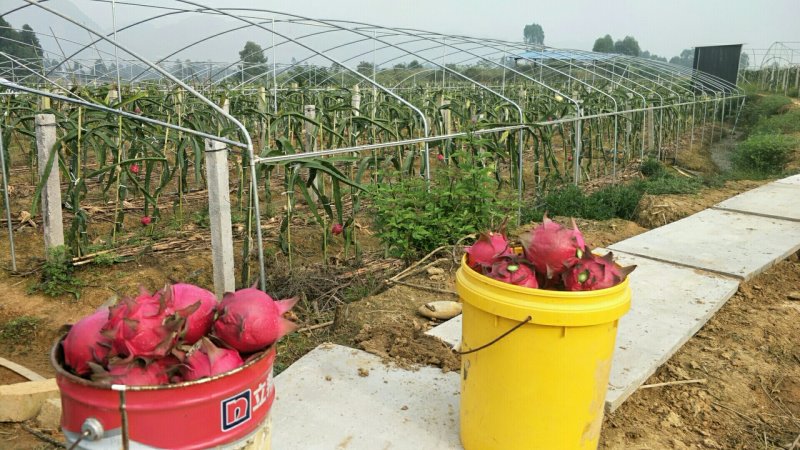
[662, 27]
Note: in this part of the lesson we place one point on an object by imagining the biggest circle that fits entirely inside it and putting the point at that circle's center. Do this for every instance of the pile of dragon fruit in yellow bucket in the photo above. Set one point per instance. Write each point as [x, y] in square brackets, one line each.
[179, 333]
[552, 257]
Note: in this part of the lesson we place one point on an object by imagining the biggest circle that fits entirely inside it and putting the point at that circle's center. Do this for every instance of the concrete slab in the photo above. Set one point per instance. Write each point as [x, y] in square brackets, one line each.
[669, 305]
[778, 200]
[725, 242]
[337, 397]
[449, 332]
[794, 179]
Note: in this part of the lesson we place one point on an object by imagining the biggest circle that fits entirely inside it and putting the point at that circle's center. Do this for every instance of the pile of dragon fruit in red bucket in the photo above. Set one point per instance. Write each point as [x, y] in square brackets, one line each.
[180, 333]
[553, 257]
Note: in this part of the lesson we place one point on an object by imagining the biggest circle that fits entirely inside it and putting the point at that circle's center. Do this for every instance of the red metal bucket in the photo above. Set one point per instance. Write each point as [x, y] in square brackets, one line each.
[225, 411]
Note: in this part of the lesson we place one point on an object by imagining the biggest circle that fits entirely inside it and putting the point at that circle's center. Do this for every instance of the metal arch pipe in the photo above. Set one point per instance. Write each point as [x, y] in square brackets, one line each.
[90, 105]
[616, 105]
[389, 60]
[577, 110]
[214, 106]
[251, 155]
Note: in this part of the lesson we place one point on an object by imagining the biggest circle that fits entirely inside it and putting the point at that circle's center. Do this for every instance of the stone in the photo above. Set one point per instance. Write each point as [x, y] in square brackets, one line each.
[49, 417]
[442, 310]
[795, 295]
[22, 401]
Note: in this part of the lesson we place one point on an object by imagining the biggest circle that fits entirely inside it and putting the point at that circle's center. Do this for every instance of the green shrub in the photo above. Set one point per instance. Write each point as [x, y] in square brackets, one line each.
[613, 201]
[763, 154]
[760, 106]
[463, 199]
[568, 201]
[786, 123]
[607, 203]
[57, 278]
[652, 167]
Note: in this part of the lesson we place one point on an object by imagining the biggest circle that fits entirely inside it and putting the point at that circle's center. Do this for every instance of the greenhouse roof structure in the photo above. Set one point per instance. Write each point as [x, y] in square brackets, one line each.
[404, 88]
[565, 55]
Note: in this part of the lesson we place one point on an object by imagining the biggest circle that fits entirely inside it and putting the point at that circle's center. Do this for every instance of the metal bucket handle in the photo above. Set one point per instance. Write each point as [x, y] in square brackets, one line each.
[498, 338]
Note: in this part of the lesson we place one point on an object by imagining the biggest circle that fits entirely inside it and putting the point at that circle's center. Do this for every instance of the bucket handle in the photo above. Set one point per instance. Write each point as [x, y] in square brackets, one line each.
[497, 339]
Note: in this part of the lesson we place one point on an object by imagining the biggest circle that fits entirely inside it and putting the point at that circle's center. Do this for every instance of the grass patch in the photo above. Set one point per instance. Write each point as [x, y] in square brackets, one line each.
[20, 330]
[617, 201]
[786, 123]
[57, 276]
[761, 106]
[766, 154]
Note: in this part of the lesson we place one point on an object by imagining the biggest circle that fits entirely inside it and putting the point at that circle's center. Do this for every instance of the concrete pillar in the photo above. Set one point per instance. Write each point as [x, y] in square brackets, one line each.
[309, 129]
[219, 213]
[448, 125]
[355, 103]
[651, 129]
[309, 143]
[51, 191]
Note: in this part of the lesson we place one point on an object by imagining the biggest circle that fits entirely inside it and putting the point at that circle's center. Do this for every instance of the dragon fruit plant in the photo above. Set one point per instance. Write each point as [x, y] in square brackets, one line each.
[179, 333]
[553, 257]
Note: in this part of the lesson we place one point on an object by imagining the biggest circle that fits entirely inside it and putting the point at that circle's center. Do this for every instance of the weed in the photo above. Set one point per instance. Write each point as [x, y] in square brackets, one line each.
[786, 123]
[670, 184]
[57, 278]
[758, 107]
[19, 330]
[763, 154]
[651, 167]
[412, 218]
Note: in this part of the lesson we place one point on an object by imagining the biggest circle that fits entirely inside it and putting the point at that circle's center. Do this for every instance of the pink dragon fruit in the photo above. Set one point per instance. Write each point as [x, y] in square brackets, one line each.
[84, 343]
[181, 299]
[488, 247]
[142, 327]
[207, 360]
[594, 272]
[552, 248]
[250, 320]
[514, 271]
[135, 372]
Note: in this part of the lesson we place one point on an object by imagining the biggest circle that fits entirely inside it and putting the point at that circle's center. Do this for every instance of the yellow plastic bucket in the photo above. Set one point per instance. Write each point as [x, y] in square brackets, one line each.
[542, 385]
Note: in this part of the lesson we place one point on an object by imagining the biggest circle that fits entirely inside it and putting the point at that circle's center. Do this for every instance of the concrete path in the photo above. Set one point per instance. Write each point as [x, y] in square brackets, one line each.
[687, 271]
[337, 397]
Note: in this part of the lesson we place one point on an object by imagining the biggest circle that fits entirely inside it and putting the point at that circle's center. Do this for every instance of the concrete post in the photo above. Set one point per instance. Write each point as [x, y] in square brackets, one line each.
[309, 129]
[219, 213]
[262, 108]
[355, 103]
[51, 191]
[309, 134]
[651, 129]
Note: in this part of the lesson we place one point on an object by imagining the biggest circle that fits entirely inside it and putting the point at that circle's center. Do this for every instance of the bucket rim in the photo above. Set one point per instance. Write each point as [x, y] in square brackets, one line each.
[552, 293]
[544, 306]
[63, 372]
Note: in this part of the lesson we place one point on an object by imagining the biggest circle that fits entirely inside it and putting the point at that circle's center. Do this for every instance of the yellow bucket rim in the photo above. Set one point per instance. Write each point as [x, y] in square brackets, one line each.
[546, 307]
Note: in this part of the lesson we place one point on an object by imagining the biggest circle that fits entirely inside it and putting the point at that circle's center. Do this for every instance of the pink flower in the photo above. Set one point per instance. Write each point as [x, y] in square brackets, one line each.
[134, 168]
[137, 110]
[146, 220]
[440, 157]
[337, 229]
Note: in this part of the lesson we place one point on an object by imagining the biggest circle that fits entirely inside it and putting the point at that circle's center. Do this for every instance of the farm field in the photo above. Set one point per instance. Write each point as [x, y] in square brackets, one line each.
[346, 169]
